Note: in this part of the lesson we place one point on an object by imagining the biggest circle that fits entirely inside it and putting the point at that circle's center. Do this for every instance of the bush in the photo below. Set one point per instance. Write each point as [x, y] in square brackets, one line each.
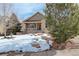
[14, 29]
[62, 27]
[63, 30]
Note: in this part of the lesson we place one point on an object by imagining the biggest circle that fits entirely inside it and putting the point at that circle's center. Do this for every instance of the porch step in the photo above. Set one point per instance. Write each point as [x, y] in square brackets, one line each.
[34, 31]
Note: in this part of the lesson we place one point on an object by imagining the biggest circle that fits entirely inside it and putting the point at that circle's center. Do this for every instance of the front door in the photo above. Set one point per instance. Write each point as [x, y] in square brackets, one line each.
[39, 26]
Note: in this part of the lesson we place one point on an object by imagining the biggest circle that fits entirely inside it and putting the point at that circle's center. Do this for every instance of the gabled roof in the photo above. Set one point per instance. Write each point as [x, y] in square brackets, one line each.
[36, 17]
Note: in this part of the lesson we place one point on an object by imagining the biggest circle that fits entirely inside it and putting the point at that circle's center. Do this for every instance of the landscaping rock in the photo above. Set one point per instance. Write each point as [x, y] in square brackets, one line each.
[69, 45]
[36, 45]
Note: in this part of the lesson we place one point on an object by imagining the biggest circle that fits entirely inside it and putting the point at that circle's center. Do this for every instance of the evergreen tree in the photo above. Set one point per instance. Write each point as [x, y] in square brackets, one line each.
[62, 20]
[13, 24]
[13, 20]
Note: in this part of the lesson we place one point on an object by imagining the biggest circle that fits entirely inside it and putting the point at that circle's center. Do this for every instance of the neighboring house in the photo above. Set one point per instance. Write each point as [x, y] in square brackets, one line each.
[34, 24]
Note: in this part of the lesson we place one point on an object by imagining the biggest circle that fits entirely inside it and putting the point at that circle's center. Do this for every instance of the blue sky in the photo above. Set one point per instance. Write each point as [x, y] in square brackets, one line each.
[23, 11]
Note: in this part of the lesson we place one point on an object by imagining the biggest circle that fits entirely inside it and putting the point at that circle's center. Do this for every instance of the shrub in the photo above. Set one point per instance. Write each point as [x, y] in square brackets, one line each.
[62, 26]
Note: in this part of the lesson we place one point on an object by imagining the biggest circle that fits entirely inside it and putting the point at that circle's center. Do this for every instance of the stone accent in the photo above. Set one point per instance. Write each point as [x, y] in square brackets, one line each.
[36, 45]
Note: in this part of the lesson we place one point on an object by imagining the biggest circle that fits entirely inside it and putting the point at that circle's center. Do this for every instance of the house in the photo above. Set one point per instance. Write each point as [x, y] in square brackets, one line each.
[34, 24]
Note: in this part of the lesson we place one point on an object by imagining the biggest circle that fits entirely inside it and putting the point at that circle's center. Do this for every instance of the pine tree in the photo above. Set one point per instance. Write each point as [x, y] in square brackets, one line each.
[13, 20]
[62, 21]
[13, 24]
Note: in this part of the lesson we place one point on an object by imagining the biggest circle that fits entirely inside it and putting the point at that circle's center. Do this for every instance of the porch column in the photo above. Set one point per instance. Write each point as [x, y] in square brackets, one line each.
[36, 25]
[23, 27]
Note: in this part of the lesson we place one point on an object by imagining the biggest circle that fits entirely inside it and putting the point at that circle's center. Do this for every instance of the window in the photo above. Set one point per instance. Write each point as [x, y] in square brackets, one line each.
[32, 25]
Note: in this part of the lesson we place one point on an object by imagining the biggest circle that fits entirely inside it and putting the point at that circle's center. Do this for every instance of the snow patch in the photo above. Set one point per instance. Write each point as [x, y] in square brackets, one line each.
[23, 43]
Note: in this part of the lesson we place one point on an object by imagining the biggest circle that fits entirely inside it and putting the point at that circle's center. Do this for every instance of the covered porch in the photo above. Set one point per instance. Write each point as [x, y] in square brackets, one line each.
[33, 27]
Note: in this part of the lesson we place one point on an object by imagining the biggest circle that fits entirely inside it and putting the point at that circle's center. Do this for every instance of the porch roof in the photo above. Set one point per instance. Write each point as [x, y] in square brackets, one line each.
[33, 22]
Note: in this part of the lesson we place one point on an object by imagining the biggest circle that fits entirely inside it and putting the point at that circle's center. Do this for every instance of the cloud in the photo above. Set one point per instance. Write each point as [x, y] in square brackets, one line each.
[24, 11]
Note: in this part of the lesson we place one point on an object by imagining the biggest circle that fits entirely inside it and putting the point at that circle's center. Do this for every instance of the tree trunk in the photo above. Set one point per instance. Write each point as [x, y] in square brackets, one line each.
[5, 34]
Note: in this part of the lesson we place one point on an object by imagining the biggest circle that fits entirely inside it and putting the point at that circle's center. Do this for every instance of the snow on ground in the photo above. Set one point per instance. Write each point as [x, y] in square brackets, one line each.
[23, 43]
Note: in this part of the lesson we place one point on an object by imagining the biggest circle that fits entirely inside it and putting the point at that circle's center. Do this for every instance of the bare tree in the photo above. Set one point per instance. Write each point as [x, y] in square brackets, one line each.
[5, 10]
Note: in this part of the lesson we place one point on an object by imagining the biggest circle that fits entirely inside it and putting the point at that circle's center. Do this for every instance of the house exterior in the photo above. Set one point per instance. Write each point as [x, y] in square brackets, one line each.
[35, 24]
